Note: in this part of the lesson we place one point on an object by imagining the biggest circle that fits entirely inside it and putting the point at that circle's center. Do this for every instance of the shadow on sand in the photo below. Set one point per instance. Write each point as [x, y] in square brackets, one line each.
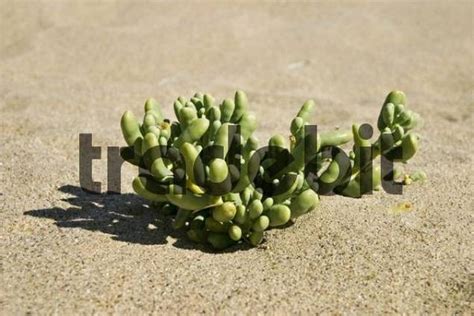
[126, 217]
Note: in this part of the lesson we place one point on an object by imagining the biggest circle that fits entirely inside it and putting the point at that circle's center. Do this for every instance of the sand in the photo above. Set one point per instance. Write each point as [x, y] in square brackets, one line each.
[69, 68]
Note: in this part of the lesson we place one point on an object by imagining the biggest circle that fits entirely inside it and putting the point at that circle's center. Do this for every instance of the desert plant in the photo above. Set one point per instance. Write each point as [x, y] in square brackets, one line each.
[206, 167]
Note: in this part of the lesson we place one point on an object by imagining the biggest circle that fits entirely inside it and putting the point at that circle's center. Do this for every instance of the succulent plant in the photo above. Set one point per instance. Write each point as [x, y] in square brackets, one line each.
[207, 169]
[397, 142]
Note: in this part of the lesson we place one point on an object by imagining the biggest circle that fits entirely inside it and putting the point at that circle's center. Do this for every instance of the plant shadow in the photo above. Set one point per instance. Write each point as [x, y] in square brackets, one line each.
[126, 217]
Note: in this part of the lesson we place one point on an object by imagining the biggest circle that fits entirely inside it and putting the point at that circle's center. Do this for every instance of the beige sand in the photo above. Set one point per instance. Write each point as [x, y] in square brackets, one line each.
[72, 68]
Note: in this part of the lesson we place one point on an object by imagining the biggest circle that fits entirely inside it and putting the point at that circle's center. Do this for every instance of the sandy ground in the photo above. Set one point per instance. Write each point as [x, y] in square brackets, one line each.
[70, 68]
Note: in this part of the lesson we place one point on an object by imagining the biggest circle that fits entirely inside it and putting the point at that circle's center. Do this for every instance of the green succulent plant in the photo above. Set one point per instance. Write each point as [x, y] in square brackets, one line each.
[207, 169]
